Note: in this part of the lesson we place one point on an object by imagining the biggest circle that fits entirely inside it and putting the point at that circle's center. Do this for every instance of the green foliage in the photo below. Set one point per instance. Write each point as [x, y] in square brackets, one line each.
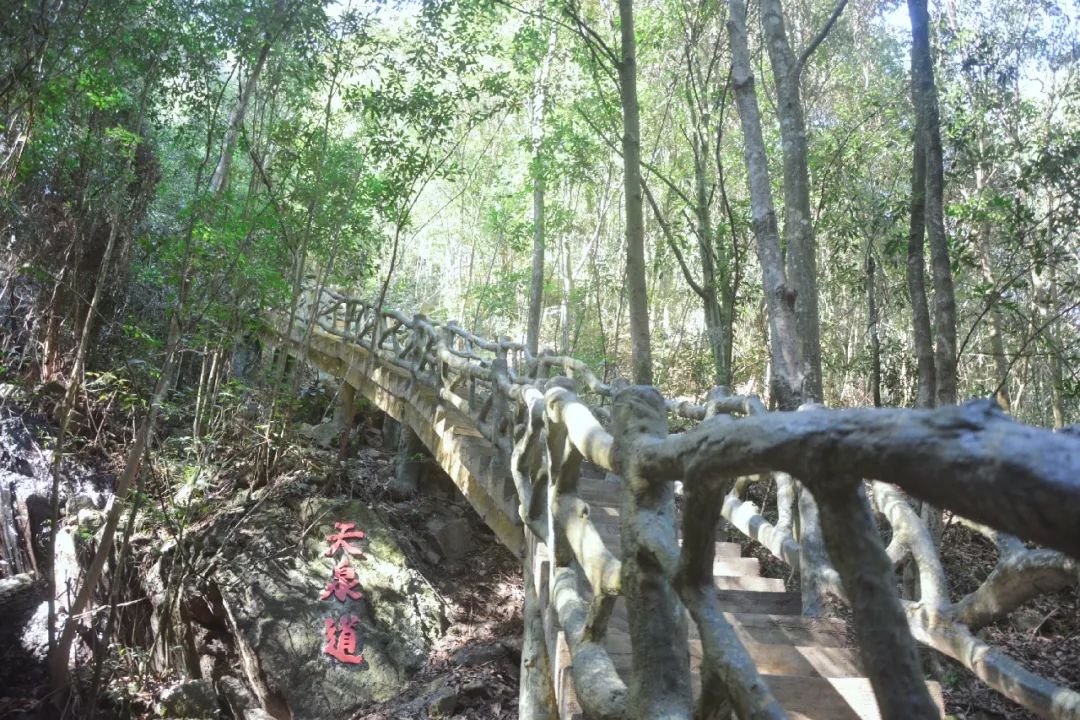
[377, 129]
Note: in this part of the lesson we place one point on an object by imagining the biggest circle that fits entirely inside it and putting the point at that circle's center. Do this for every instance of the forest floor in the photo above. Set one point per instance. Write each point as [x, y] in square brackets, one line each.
[472, 671]
[1043, 635]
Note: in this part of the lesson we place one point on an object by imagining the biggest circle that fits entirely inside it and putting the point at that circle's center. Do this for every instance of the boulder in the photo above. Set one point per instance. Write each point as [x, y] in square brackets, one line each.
[189, 699]
[274, 572]
[79, 502]
[236, 695]
[443, 702]
[326, 435]
[453, 537]
[91, 519]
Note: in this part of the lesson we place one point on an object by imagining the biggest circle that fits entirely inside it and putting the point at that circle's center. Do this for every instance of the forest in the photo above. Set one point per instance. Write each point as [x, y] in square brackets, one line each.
[809, 204]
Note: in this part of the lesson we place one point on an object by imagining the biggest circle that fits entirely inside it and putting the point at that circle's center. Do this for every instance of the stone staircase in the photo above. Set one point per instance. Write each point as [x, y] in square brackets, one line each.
[807, 662]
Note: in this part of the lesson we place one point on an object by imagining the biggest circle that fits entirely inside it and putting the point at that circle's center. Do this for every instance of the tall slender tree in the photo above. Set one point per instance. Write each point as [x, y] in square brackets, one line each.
[801, 245]
[537, 114]
[925, 101]
[640, 340]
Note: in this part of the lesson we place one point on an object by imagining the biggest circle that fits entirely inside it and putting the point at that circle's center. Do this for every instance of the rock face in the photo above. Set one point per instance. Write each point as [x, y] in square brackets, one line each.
[25, 508]
[453, 536]
[272, 573]
[324, 435]
[191, 699]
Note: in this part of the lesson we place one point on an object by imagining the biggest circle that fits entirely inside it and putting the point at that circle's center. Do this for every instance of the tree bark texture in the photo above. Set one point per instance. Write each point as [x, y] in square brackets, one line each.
[994, 331]
[220, 178]
[872, 320]
[719, 337]
[787, 364]
[536, 282]
[799, 237]
[922, 339]
[926, 105]
[640, 343]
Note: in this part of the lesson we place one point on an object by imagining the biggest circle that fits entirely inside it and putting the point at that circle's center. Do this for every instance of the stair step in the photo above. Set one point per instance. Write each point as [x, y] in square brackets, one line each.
[806, 697]
[825, 698]
[789, 660]
[727, 561]
[805, 661]
[829, 698]
[749, 583]
[766, 628]
[788, 629]
[795, 661]
[732, 601]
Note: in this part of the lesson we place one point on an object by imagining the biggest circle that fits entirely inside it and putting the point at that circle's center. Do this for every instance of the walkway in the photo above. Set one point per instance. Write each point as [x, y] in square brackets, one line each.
[610, 589]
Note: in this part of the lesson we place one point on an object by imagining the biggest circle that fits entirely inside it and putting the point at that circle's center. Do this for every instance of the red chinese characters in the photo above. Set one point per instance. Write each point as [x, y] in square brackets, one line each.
[340, 540]
[341, 639]
[341, 586]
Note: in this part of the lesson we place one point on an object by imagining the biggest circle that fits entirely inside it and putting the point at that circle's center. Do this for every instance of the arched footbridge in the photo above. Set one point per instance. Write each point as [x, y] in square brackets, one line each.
[633, 608]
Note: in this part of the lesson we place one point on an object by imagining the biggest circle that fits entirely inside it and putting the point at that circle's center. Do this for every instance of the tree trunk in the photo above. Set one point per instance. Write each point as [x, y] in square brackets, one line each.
[787, 372]
[916, 271]
[798, 226]
[220, 178]
[536, 284]
[567, 272]
[986, 264]
[872, 322]
[997, 343]
[1044, 284]
[730, 266]
[714, 311]
[926, 106]
[640, 343]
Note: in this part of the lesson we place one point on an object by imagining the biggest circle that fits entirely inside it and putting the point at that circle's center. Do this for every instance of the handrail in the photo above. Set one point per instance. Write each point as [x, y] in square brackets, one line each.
[970, 459]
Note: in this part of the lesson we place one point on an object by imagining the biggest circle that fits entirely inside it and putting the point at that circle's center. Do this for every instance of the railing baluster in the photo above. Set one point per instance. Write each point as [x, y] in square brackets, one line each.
[729, 678]
[885, 643]
[660, 681]
[598, 686]
[501, 463]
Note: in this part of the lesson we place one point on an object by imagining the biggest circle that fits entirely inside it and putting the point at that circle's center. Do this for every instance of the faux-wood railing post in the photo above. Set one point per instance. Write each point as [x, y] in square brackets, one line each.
[500, 460]
[563, 468]
[536, 696]
[660, 678]
[885, 643]
[350, 315]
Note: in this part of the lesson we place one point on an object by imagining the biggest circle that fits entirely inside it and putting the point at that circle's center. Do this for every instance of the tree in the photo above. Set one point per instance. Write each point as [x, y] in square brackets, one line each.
[801, 247]
[640, 341]
[788, 369]
[925, 101]
[538, 111]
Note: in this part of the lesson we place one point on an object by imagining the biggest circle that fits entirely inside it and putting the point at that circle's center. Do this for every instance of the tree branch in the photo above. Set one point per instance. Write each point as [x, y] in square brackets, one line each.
[670, 237]
[818, 39]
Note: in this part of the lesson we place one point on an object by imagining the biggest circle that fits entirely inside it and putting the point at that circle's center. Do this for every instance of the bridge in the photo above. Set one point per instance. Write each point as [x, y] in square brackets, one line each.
[633, 609]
